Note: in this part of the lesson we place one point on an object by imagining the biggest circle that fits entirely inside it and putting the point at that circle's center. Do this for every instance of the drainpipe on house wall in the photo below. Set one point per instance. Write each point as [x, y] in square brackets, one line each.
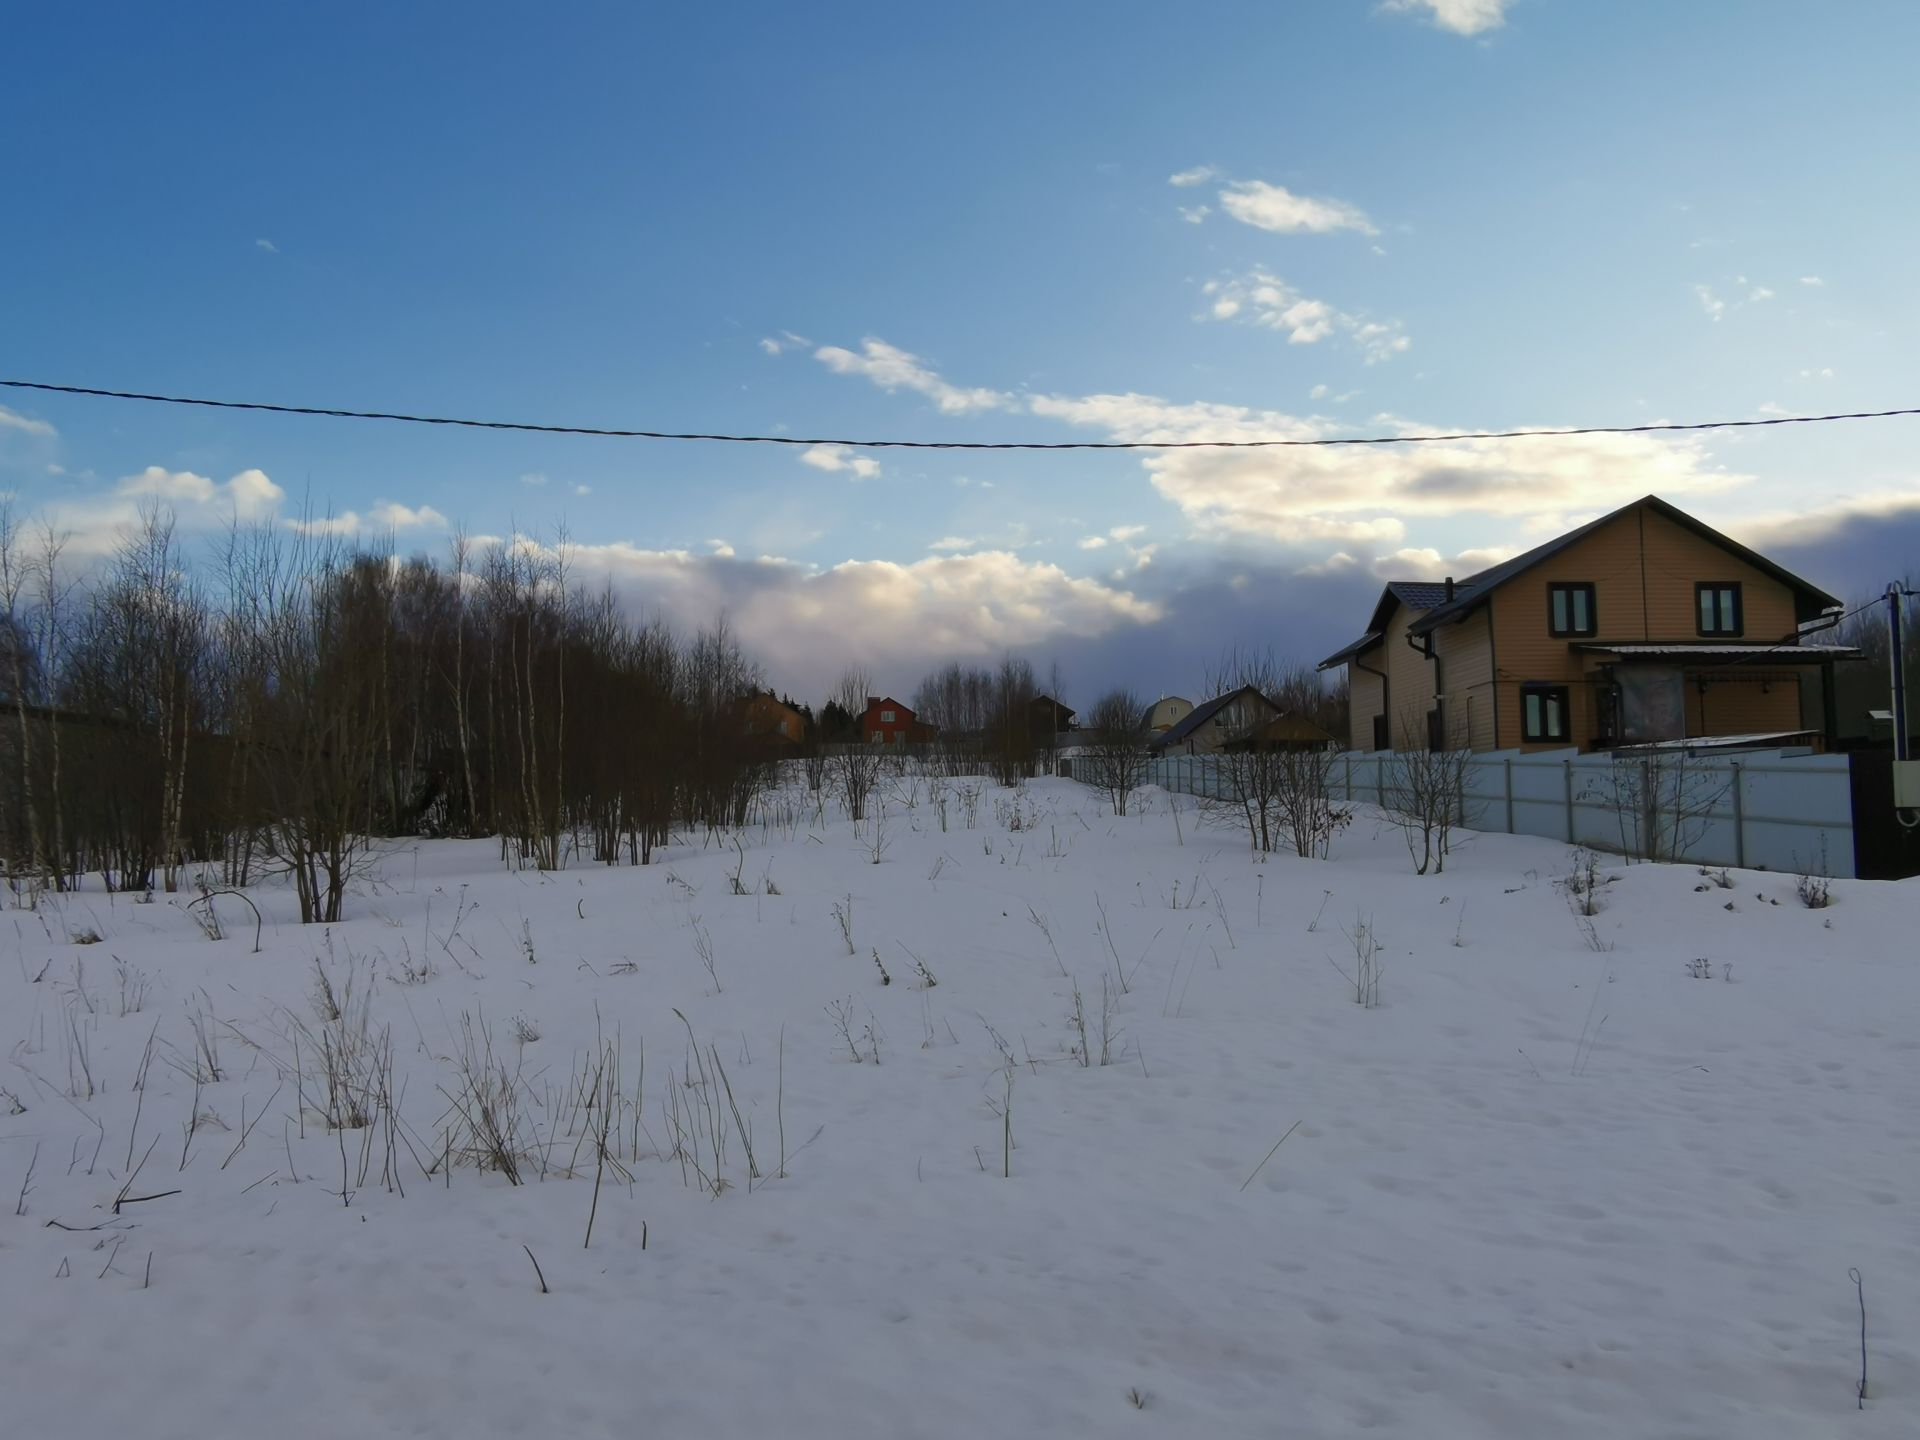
[1386, 697]
[1424, 647]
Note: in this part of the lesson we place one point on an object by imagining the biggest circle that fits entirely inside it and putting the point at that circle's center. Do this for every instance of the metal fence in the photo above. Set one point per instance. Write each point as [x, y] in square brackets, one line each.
[1785, 809]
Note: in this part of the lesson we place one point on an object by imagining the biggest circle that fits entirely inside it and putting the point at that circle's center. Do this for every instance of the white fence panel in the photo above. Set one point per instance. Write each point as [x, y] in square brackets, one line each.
[1761, 809]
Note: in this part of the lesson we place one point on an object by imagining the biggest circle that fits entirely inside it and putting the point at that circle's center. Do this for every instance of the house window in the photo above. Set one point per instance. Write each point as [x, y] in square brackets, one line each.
[1570, 609]
[1379, 732]
[1543, 712]
[886, 717]
[1718, 605]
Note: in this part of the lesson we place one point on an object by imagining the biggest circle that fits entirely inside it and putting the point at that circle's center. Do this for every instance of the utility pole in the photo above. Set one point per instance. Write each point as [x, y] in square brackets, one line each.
[1906, 773]
[1898, 660]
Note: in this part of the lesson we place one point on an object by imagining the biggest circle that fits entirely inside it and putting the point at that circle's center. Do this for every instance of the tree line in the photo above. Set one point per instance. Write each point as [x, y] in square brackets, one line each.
[274, 710]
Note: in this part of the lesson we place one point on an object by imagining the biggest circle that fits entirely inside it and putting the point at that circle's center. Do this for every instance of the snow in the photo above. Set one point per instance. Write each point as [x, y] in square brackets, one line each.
[1541, 1189]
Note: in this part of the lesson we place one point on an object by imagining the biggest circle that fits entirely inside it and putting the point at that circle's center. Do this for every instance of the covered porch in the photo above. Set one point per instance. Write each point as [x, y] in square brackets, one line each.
[1652, 693]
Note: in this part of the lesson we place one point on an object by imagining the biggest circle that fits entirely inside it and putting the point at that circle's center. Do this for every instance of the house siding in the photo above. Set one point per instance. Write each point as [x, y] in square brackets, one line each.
[1167, 712]
[1364, 701]
[1465, 653]
[1410, 679]
[1642, 591]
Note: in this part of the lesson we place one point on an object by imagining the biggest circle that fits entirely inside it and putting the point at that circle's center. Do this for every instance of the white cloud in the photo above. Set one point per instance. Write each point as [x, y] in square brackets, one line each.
[950, 543]
[248, 494]
[1093, 542]
[14, 420]
[534, 478]
[1199, 175]
[807, 623]
[1825, 372]
[1194, 214]
[1276, 208]
[1462, 17]
[1262, 298]
[268, 246]
[785, 340]
[721, 548]
[892, 368]
[1426, 563]
[388, 515]
[1124, 533]
[1715, 306]
[95, 524]
[1811, 280]
[839, 458]
[404, 517]
[583, 489]
[1363, 495]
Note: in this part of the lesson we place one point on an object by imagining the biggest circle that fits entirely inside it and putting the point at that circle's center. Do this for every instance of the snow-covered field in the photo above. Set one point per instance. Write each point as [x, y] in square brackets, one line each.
[1541, 1189]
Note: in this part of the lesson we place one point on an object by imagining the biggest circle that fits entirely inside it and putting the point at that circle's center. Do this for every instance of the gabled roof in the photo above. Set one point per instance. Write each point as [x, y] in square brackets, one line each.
[1417, 595]
[1809, 601]
[1200, 714]
[1346, 652]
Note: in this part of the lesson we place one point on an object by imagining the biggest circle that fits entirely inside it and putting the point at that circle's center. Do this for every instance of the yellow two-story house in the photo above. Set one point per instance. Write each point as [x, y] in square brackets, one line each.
[1643, 626]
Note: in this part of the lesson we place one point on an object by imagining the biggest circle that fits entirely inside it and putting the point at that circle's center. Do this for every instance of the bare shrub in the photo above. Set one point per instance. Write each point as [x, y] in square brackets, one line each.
[1364, 976]
[1663, 800]
[1583, 882]
[1426, 800]
[1814, 887]
[1114, 746]
[483, 1125]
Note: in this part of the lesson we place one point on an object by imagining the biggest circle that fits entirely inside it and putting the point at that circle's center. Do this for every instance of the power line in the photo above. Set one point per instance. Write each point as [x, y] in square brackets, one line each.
[608, 432]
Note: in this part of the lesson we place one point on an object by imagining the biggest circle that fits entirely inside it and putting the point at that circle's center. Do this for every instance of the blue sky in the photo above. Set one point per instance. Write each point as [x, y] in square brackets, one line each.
[964, 223]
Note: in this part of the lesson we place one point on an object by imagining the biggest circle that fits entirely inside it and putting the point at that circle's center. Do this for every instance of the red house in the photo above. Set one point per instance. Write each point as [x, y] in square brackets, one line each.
[888, 722]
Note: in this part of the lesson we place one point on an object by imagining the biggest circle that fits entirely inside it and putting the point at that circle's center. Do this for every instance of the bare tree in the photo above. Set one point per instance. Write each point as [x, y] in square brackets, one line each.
[320, 730]
[1275, 784]
[22, 679]
[1010, 746]
[1056, 683]
[856, 769]
[1427, 799]
[1116, 746]
[1663, 799]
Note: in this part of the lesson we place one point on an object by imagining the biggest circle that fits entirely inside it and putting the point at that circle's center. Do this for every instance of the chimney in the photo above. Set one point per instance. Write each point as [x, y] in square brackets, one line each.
[1449, 588]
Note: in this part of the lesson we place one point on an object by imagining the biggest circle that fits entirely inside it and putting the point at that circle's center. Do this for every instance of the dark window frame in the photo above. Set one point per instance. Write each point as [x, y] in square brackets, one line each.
[1725, 627]
[1543, 734]
[1573, 632]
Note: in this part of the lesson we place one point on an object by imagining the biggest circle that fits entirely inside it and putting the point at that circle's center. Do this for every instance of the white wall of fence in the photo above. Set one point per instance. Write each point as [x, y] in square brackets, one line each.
[1787, 809]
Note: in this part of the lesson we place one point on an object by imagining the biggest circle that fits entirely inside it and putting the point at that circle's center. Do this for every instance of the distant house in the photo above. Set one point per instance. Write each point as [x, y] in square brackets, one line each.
[887, 722]
[1284, 732]
[1643, 626]
[768, 717]
[1210, 727]
[1046, 716]
[1167, 712]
